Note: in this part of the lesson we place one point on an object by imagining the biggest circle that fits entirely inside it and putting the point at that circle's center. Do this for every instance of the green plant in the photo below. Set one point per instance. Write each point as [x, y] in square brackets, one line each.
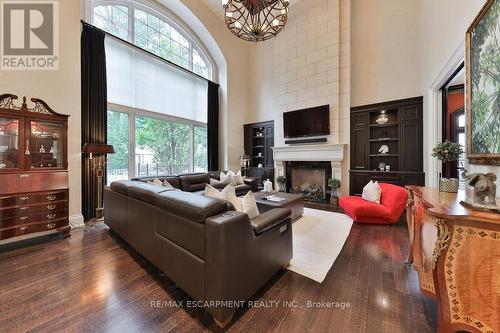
[447, 151]
[334, 183]
[281, 179]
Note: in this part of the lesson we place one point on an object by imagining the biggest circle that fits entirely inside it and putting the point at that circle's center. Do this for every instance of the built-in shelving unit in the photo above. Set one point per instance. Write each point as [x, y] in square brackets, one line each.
[259, 140]
[387, 144]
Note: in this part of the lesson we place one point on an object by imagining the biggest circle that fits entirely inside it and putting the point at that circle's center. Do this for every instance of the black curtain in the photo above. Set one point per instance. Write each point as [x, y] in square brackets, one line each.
[213, 126]
[94, 109]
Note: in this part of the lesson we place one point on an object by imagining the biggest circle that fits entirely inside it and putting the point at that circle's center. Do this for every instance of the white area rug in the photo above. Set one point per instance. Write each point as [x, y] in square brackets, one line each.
[318, 238]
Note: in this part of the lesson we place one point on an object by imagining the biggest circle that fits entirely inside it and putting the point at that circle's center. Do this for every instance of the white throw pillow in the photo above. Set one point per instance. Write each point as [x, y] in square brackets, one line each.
[167, 184]
[249, 205]
[229, 194]
[225, 179]
[156, 181]
[237, 179]
[211, 192]
[246, 205]
[372, 192]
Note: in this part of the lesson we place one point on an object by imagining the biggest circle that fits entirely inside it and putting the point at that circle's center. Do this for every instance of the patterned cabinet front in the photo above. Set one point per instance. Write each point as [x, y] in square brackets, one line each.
[425, 236]
[468, 275]
[456, 252]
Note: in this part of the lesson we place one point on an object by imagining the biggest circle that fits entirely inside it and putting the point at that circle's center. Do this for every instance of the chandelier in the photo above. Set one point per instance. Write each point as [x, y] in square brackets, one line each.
[256, 20]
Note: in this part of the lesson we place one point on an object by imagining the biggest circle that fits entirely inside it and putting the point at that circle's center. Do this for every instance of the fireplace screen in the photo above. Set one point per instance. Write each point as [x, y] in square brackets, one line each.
[310, 182]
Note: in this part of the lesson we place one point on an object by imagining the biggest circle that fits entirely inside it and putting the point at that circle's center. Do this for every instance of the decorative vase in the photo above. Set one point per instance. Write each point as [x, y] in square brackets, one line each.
[281, 187]
[449, 185]
[268, 186]
[334, 201]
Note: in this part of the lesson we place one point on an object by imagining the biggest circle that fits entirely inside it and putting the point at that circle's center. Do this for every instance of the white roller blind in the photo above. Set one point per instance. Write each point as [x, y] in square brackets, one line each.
[138, 80]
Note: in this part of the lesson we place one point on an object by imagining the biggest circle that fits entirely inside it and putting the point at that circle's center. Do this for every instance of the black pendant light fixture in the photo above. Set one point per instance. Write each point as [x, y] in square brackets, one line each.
[256, 20]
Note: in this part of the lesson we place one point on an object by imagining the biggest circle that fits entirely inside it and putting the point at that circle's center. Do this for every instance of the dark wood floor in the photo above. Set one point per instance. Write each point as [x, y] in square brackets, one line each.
[94, 282]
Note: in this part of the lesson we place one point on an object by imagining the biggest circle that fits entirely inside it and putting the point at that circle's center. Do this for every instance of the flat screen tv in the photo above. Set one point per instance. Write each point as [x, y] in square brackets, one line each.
[307, 122]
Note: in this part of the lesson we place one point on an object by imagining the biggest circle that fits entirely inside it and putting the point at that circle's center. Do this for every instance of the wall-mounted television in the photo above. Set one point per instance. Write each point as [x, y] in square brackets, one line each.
[307, 122]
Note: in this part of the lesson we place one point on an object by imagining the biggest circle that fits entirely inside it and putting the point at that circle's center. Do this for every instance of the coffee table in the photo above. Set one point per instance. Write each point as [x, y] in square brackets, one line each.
[293, 201]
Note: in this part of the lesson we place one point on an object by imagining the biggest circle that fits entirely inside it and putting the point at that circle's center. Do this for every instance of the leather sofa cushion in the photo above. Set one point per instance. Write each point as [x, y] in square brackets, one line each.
[215, 175]
[147, 192]
[173, 180]
[189, 205]
[269, 220]
[122, 186]
[242, 189]
[194, 182]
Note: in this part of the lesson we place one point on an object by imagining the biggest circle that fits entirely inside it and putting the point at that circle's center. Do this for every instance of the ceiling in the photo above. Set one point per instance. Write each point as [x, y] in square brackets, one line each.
[215, 6]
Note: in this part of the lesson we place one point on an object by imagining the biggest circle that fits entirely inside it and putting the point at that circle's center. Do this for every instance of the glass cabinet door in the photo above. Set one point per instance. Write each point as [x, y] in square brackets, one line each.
[45, 145]
[9, 143]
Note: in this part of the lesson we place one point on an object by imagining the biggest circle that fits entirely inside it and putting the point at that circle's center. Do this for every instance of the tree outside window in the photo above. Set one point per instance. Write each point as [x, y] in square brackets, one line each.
[118, 136]
[200, 149]
[151, 33]
[169, 145]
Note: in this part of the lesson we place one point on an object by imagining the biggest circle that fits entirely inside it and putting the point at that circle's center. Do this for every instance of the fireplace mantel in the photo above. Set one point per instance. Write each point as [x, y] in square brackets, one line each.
[330, 152]
[333, 153]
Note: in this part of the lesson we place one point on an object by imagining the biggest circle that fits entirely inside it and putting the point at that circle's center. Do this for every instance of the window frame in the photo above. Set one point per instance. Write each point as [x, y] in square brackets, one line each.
[136, 112]
[165, 15]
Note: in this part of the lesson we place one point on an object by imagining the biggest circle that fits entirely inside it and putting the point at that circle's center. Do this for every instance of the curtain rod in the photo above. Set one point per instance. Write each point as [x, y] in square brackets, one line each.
[147, 52]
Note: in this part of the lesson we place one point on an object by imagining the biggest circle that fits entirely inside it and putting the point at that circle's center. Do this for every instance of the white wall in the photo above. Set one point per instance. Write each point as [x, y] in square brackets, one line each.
[306, 65]
[384, 51]
[61, 90]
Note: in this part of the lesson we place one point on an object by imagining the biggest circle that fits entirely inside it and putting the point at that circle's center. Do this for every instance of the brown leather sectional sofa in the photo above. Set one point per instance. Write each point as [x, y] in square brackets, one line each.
[218, 256]
[195, 182]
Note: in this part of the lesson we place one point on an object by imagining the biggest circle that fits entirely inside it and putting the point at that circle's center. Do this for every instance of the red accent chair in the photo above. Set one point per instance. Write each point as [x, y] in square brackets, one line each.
[392, 204]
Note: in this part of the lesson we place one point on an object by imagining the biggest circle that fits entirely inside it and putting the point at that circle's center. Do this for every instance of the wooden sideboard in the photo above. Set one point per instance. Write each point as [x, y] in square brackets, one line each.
[33, 169]
[456, 252]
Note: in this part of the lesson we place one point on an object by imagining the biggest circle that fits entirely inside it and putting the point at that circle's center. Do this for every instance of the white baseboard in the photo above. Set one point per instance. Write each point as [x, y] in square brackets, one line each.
[76, 221]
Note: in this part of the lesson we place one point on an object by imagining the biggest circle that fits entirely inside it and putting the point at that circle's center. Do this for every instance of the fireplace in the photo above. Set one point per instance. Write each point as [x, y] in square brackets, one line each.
[309, 179]
[307, 168]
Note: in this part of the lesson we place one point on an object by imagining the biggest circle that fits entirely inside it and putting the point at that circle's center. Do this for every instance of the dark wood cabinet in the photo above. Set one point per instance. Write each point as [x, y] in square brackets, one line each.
[33, 169]
[259, 141]
[387, 134]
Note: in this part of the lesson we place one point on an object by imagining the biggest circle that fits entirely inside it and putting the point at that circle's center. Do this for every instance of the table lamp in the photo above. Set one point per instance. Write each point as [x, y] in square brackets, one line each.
[244, 162]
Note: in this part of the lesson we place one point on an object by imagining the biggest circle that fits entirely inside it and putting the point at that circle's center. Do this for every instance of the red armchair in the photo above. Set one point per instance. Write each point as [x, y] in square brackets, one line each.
[392, 204]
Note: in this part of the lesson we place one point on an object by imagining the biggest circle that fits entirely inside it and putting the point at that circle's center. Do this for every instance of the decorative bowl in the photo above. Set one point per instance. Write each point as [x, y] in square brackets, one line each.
[3, 149]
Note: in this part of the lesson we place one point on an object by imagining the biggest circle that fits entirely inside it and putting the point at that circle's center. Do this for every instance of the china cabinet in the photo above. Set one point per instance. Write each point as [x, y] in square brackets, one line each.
[33, 169]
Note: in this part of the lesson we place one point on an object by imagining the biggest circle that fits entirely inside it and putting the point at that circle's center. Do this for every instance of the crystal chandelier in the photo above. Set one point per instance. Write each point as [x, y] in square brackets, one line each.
[256, 20]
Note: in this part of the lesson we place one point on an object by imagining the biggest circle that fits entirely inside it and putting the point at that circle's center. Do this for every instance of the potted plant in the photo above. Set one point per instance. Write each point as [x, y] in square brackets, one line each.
[281, 180]
[447, 152]
[334, 184]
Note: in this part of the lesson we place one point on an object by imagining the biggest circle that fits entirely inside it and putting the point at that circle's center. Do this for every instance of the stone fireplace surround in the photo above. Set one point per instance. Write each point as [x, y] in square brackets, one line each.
[309, 155]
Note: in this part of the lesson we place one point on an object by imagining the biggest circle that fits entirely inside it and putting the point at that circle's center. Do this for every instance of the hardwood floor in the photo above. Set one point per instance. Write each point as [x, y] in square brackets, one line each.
[94, 282]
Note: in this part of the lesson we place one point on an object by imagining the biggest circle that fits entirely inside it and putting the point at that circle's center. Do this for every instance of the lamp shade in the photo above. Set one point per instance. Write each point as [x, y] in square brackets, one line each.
[97, 148]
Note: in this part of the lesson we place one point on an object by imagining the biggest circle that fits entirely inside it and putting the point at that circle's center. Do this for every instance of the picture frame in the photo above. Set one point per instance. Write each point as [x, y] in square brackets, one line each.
[483, 90]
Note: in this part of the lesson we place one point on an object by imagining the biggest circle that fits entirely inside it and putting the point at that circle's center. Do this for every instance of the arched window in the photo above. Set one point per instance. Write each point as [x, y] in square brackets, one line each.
[157, 119]
[153, 31]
